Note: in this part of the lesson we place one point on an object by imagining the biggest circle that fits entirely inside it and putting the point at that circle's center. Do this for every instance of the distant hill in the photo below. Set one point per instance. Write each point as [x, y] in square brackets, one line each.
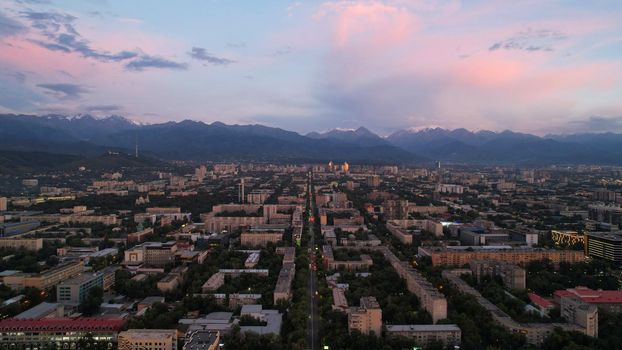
[17, 162]
[113, 161]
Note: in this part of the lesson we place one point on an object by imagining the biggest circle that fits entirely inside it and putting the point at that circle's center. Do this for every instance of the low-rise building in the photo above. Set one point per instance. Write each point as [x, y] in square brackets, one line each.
[201, 340]
[260, 237]
[214, 282]
[252, 260]
[169, 282]
[153, 339]
[272, 318]
[57, 332]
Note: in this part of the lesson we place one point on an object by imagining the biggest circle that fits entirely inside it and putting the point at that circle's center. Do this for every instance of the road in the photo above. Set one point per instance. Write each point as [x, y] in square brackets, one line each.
[313, 324]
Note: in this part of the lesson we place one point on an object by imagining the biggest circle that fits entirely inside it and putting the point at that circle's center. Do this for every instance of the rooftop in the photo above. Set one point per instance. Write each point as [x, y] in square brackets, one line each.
[540, 301]
[149, 333]
[610, 236]
[423, 328]
[590, 295]
[38, 311]
[200, 339]
[62, 324]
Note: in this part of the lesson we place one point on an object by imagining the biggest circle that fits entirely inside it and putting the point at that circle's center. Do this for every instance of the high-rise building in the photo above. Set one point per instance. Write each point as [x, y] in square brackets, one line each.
[604, 245]
[3, 203]
[604, 195]
[609, 214]
[345, 167]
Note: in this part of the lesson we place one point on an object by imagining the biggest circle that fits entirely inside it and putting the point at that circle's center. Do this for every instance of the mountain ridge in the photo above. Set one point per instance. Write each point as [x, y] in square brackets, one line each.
[197, 140]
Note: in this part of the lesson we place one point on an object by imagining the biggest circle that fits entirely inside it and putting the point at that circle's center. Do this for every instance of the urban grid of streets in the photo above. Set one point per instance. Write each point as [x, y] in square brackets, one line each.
[314, 319]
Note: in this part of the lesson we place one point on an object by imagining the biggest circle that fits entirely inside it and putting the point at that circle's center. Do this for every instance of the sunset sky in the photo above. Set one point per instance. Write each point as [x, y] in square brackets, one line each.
[531, 66]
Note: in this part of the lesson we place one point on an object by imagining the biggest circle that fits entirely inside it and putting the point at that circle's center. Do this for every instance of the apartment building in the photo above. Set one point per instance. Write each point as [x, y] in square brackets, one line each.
[462, 255]
[430, 298]
[260, 237]
[214, 282]
[425, 334]
[513, 276]
[33, 244]
[366, 318]
[578, 312]
[282, 291]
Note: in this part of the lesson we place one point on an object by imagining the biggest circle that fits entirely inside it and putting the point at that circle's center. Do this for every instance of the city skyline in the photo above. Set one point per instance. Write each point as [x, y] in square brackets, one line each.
[554, 67]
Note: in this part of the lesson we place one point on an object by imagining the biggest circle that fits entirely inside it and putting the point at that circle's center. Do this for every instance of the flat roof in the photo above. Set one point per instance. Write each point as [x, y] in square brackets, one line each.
[38, 311]
[149, 333]
[251, 308]
[423, 328]
[63, 324]
[81, 278]
[591, 296]
[200, 339]
[609, 236]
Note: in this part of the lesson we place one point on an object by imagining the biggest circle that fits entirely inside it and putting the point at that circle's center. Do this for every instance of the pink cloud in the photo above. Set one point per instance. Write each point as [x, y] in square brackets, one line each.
[369, 23]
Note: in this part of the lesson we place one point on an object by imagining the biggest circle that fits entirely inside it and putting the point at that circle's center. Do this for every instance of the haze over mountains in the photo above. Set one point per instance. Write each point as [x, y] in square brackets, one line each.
[190, 140]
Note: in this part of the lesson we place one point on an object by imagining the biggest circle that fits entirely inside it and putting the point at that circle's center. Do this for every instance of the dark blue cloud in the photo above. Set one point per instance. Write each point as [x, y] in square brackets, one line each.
[103, 108]
[9, 26]
[200, 53]
[19, 76]
[145, 62]
[530, 40]
[65, 91]
[62, 36]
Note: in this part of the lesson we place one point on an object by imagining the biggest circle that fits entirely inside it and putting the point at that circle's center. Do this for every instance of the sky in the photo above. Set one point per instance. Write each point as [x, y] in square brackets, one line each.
[530, 66]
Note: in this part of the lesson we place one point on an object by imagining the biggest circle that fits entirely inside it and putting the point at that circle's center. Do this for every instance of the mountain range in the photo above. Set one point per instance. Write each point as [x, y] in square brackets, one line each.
[85, 135]
[185, 140]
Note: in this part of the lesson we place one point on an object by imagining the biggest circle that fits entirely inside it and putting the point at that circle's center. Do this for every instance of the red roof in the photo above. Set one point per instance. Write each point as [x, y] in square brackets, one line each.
[591, 296]
[62, 324]
[540, 301]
